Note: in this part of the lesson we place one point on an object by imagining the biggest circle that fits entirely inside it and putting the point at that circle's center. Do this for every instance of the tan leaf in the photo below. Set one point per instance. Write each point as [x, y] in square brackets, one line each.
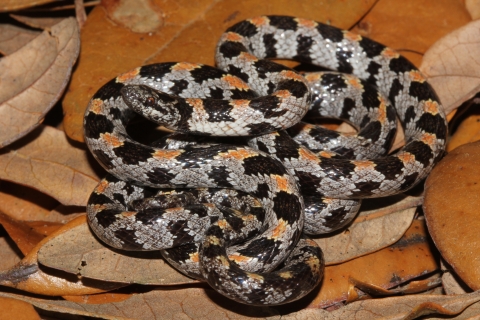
[376, 227]
[390, 22]
[9, 254]
[77, 251]
[17, 309]
[28, 276]
[467, 131]
[449, 66]
[51, 165]
[10, 5]
[407, 307]
[34, 77]
[184, 35]
[13, 38]
[191, 303]
[451, 210]
[37, 22]
[473, 7]
[408, 258]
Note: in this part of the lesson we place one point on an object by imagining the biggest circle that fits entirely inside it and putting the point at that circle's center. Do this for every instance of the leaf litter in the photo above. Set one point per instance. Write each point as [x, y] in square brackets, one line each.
[395, 252]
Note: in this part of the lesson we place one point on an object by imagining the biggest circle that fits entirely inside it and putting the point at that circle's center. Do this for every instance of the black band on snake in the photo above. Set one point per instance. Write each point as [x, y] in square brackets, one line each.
[236, 252]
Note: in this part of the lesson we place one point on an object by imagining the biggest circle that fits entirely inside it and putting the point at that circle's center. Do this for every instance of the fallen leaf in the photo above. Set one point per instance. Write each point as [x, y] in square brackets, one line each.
[451, 210]
[140, 16]
[107, 297]
[473, 8]
[448, 66]
[17, 309]
[468, 131]
[391, 22]
[9, 254]
[24, 203]
[77, 251]
[407, 307]
[11, 5]
[46, 161]
[24, 235]
[185, 35]
[38, 22]
[27, 275]
[408, 258]
[191, 303]
[34, 77]
[13, 38]
[376, 227]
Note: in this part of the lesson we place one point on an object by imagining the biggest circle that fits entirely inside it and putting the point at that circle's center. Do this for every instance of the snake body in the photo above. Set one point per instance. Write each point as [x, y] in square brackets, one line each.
[237, 254]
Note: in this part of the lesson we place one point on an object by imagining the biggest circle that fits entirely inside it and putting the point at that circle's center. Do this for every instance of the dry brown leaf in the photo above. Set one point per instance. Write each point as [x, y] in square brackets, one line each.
[34, 77]
[50, 164]
[17, 309]
[13, 38]
[451, 210]
[192, 303]
[77, 251]
[38, 22]
[28, 276]
[185, 35]
[411, 27]
[11, 5]
[376, 227]
[473, 8]
[407, 259]
[467, 131]
[407, 307]
[9, 253]
[25, 236]
[450, 66]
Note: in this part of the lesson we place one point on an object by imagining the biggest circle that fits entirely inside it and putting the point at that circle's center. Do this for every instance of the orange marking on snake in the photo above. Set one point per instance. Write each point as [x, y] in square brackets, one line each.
[327, 200]
[389, 53]
[431, 107]
[292, 75]
[429, 139]
[259, 21]
[187, 66]
[235, 82]
[306, 23]
[284, 94]
[279, 230]
[326, 154]
[223, 224]
[363, 165]
[382, 110]
[111, 140]
[416, 76]
[194, 257]
[166, 154]
[96, 106]
[352, 36]
[248, 57]
[406, 157]
[128, 75]
[128, 213]
[282, 183]
[232, 36]
[354, 82]
[307, 154]
[238, 258]
[240, 154]
[285, 274]
[314, 76]
[314, 263]
[197, 104]
[99, 207]
[101, 187]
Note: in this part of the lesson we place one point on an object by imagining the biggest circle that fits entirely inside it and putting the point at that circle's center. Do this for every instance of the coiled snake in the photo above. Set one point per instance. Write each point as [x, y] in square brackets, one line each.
[238, 253]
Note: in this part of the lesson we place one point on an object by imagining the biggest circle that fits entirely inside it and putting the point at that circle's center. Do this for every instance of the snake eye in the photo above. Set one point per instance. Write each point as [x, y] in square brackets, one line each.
[150, 101]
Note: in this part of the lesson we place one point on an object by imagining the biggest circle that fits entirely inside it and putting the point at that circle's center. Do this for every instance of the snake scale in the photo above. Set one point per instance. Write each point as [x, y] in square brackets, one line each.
[242, 230]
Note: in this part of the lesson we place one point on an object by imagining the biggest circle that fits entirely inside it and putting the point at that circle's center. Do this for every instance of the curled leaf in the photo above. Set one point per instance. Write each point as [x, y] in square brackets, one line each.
[13, 38]
[50, 164]
[375, 228]
[77, 251]
[34, 77]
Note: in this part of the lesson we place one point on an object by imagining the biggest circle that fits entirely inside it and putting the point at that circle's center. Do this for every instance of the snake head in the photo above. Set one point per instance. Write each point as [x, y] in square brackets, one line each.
[157, 106]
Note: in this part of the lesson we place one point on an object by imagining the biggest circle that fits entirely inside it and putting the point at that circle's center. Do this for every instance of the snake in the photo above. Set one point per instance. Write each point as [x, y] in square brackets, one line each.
[259, 257]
